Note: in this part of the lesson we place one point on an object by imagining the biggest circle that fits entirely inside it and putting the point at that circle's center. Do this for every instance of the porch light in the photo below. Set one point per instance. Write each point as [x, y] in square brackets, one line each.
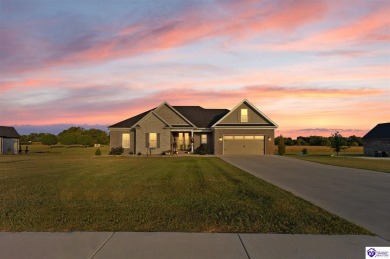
[220, 138]
[269, 138]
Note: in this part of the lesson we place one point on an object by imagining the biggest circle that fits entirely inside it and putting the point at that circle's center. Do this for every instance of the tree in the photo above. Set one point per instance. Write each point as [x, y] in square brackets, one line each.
[337, 142]
[354, 141]
[318, 141]
[287, 141]
[84, 140]
[78, 135]
[301, 142]
[49, 139]
[281, 146]
[98, 136]
[68, 138]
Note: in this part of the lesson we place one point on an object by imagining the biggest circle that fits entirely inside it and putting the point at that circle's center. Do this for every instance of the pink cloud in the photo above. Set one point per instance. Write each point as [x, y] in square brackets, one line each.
[291, 15]
[187, 27]
[371, 27]
[28, 83]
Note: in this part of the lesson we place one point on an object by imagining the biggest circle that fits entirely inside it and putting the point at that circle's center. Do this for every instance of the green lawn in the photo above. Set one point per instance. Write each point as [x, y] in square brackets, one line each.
[350, 157]
[368, 164]
[70, 190]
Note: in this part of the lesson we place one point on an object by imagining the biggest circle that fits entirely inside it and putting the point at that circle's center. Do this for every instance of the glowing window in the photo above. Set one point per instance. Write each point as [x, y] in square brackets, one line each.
[244, 115]
[153, 140]
[203, 139]
[126, 140]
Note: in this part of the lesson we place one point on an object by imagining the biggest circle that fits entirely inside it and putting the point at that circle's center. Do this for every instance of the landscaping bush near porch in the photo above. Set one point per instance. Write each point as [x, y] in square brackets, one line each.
[49, 192]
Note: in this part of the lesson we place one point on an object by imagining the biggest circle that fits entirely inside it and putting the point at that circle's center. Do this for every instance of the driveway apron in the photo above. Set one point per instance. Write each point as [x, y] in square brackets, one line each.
[360, 196]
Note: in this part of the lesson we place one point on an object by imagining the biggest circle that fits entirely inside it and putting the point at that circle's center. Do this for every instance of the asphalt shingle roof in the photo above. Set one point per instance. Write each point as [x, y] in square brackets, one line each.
[200, 117]
[130, 121]
[381, 130]
[8, 132]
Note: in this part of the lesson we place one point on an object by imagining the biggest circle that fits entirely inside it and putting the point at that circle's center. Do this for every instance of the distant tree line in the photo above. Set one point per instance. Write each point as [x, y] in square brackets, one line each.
[71, 136]
[320, 141]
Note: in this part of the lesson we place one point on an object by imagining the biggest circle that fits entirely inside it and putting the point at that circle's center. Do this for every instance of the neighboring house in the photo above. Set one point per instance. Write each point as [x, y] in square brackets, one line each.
[243, 130]
[9, 140]
[377, 139]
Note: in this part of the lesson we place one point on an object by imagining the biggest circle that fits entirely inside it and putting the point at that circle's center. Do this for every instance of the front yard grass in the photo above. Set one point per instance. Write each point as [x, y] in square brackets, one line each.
[65, 192]
[360, 163]
[352, 157]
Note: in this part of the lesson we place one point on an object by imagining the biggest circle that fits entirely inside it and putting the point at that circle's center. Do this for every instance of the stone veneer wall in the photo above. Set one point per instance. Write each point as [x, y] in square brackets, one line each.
[372, 145]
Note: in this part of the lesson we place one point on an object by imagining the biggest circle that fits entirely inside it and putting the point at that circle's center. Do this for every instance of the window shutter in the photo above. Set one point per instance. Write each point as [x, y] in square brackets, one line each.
[147, 140]
[158, 140]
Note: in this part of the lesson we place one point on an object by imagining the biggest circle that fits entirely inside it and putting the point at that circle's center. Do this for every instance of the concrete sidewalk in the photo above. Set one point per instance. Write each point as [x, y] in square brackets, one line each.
[182, 245]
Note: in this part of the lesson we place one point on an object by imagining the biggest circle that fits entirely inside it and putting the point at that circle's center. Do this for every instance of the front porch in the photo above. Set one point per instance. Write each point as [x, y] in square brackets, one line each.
[182, 141]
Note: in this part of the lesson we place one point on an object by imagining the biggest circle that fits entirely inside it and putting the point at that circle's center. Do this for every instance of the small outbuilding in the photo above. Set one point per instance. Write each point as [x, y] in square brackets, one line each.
[377, 140]
[9, 140]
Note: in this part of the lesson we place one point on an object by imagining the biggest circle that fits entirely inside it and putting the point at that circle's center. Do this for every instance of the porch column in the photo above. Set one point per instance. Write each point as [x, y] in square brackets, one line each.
[192, 144]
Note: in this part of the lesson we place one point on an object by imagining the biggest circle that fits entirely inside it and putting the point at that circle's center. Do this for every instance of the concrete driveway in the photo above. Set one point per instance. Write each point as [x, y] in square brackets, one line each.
[360, 196]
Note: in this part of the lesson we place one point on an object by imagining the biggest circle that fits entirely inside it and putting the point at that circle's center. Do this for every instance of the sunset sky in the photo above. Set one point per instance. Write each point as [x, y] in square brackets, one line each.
[312, 66]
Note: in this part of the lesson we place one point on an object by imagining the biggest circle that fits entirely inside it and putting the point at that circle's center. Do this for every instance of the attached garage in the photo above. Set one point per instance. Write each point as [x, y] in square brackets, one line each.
[243, 145]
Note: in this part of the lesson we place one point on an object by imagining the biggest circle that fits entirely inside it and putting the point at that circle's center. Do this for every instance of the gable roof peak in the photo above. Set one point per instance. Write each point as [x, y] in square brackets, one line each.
[250, 105]
[381, 130]
[8, 132]
[175, 111]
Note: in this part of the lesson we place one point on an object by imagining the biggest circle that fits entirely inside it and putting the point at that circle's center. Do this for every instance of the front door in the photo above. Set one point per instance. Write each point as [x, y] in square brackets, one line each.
[184, 141]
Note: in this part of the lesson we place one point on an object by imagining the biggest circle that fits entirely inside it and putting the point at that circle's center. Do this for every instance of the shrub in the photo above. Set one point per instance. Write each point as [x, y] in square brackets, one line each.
[281, 146]
[98, 152]
[304, 151]
[116, 151]
[202, 150]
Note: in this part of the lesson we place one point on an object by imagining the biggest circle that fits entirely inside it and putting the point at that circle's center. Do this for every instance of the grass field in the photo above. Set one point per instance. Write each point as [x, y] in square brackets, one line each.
[368, 164]
[321, 150]
[347, 158]
[70, 190]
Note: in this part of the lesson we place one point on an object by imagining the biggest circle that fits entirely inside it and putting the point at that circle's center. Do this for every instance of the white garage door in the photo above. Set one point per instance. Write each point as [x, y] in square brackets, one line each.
[243, 145]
